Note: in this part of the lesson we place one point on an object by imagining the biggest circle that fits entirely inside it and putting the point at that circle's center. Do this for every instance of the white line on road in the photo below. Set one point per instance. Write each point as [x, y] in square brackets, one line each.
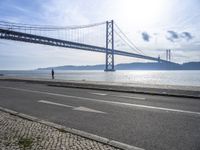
[131, 97]
[81, 108]
[53, 103]
[102, 94]
[108, 102]
[121, 96]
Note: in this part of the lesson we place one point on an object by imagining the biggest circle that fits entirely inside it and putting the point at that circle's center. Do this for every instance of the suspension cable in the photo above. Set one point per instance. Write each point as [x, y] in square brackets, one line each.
[131, 47]
[12, 25]
[128, 39]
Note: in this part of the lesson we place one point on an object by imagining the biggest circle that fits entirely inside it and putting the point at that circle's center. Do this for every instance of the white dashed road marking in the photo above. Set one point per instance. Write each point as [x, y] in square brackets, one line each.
[102, 94]
[81, 108]
[131, 97]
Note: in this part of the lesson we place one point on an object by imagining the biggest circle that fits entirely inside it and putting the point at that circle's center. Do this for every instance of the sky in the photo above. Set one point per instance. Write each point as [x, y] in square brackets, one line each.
[152, 25]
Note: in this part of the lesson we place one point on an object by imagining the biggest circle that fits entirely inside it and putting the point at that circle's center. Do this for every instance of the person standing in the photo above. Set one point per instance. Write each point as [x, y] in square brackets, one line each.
[52, 73]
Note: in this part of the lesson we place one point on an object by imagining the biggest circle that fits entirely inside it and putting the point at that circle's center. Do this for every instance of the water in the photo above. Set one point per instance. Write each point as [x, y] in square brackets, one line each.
[186, 78]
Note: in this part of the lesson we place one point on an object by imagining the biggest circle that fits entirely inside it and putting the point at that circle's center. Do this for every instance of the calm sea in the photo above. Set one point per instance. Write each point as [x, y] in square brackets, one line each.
[188, 78]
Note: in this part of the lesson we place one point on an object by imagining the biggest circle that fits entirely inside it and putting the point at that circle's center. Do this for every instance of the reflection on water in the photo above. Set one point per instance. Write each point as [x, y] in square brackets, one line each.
[191, 78]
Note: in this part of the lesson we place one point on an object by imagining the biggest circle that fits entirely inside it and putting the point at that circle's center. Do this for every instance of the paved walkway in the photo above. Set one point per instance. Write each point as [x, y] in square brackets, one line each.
[20, 134]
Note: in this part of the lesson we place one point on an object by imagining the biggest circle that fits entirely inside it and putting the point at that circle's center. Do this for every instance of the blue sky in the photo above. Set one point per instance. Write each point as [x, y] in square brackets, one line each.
[153, 25]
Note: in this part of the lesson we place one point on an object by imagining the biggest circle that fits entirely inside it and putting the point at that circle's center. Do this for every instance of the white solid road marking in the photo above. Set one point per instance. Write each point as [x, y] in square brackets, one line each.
[109, 102]
[81, 108]
[102, 94]
[131, 97]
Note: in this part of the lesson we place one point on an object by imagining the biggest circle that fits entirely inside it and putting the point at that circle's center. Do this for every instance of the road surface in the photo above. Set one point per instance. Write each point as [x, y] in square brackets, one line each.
[147, 121]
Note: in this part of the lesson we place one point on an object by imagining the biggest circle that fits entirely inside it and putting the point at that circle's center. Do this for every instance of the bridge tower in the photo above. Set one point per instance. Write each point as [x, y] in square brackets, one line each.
[109, 46]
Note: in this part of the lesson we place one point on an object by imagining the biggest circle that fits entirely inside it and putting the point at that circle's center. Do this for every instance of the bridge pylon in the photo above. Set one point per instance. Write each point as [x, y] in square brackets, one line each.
[109, 46]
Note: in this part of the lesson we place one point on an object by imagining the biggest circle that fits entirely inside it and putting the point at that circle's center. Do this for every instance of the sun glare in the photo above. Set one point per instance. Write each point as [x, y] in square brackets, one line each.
[141, 11]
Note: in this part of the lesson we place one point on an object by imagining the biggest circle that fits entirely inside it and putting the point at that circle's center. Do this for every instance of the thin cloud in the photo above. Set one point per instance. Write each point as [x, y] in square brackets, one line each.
[145, 36]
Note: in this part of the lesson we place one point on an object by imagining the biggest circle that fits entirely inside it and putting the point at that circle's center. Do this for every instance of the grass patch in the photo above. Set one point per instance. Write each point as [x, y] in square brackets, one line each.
[25, 143]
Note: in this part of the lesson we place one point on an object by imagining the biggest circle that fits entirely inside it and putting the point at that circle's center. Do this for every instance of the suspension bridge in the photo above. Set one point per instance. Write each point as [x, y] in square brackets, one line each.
[97, 37]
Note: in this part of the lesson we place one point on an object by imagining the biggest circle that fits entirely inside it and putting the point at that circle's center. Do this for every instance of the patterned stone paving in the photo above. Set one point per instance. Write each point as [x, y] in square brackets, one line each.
[20, 134]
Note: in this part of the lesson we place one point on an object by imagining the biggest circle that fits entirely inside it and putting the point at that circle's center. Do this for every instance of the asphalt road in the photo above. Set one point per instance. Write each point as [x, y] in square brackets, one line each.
[146, 121]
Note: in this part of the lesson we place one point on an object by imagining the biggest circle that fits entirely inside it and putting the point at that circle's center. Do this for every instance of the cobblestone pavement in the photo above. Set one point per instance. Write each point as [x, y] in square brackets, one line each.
[20, 134]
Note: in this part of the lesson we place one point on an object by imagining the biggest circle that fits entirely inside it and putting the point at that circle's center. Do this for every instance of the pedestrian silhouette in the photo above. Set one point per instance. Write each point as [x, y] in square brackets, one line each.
[52, 73]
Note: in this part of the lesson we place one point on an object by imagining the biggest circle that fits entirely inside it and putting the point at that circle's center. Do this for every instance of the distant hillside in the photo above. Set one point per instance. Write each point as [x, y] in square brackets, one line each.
[95, 67]
[191, 66]
[134, 66]
[147, 66]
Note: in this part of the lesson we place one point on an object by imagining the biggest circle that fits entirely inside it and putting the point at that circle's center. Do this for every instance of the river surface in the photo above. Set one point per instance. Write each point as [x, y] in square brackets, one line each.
[186, 78]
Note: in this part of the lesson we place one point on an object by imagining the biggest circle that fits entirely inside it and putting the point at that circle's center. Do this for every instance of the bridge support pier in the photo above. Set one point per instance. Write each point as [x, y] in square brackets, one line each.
[109, 46]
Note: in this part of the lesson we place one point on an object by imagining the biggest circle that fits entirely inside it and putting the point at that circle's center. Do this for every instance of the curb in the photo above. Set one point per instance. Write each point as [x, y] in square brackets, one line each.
[62, 128]
[115, 88]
